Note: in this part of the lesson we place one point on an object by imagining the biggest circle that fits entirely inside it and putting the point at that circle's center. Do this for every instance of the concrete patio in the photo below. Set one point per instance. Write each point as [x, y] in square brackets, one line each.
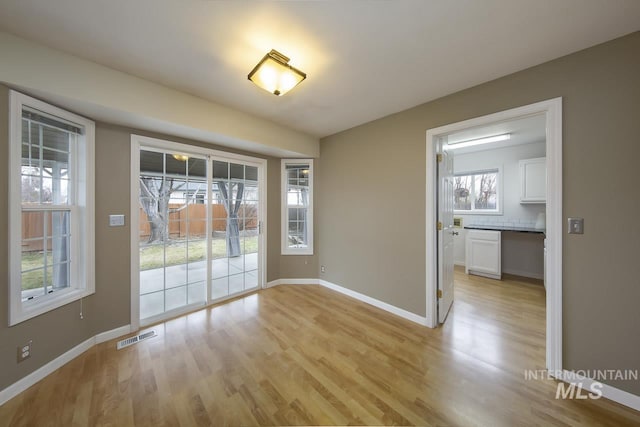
[165, 289]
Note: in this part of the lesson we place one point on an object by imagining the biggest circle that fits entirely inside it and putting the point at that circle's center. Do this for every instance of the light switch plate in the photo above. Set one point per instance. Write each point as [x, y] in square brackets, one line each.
[575, 225]
[116, 220]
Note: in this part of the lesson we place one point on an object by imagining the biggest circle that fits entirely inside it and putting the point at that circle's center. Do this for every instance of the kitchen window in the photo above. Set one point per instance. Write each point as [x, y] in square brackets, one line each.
[478, 192]
[51, 207]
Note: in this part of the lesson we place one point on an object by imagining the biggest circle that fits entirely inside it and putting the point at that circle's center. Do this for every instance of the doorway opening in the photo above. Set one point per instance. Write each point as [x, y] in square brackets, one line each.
[478, 192]
[196, 218]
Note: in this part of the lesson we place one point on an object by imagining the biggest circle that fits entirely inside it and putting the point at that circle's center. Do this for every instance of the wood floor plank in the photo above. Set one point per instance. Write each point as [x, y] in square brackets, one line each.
[305, 355]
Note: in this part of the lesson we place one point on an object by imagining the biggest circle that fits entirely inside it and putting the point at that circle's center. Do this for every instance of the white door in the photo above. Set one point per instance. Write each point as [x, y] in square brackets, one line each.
[445, 232]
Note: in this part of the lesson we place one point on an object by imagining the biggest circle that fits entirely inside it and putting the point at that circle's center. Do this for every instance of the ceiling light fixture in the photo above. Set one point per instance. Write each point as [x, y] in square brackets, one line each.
[478, 141]
[274, 74]
[181, 157]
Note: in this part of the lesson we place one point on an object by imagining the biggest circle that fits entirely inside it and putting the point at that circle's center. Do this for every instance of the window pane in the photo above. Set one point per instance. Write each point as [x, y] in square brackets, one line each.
[220, 170]
[31, 187]
[32, 284]
[45, 260]
[486, 191]
[197, 168]
[55, 139]
[237, 171]
[462, 192]
[45, 163]
[151, 162]
[251, 173]
[175, 165]
[196, 194]
[476, 192]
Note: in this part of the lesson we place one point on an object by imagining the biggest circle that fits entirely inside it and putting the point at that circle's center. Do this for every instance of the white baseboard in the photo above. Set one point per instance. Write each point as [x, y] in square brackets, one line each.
[619, 396]
[292, 282]
[114, 333]
[376, 303]
[353, 294]
[24, 383]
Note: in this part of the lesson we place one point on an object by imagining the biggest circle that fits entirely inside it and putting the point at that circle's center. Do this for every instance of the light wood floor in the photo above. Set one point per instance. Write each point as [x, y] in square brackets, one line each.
[308, 356]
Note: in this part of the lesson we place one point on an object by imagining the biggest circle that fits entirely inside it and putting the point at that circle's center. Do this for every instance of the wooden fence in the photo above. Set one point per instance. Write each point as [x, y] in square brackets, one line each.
[33, 223]
[196, 215]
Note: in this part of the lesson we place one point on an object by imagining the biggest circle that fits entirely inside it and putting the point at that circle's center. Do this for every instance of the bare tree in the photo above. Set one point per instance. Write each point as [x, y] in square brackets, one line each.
[154, 197]
[486, 190]
[461, 192]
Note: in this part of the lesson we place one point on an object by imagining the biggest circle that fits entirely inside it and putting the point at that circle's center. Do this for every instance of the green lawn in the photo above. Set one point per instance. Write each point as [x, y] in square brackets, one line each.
[175, 253]
[150, 257]
[33, 279]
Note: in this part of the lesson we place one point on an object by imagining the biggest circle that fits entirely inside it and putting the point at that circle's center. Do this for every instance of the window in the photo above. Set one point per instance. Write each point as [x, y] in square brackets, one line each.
[51, 208]
[297, 207]
[477, 192]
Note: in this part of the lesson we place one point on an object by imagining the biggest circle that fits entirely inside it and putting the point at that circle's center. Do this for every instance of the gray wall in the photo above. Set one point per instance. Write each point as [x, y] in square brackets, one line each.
[59, 330]
[371, 208]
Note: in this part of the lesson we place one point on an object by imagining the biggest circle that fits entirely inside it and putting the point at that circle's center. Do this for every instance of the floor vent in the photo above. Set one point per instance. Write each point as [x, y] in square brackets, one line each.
[135, 339]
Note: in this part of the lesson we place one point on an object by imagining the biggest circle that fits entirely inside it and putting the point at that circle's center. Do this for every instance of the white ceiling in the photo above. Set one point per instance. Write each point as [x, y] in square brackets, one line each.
[525, 130]
[364, 59]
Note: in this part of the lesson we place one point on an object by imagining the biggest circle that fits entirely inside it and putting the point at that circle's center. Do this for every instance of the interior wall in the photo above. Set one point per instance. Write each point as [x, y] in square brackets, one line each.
[371, 208]
[59, 330]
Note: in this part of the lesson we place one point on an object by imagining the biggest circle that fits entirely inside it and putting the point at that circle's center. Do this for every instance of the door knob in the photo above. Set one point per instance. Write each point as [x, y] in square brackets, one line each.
[455, 233]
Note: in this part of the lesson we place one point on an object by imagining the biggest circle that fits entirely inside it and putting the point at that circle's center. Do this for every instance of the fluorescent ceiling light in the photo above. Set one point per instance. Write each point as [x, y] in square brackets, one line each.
[274, 74]
[478, 141]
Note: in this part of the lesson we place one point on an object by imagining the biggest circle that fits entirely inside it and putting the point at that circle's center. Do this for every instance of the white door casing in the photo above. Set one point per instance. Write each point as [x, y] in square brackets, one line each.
[552, 109]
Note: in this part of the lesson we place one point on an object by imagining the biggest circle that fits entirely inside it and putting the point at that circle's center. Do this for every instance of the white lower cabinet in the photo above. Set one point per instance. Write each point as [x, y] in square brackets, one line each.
[483, 253]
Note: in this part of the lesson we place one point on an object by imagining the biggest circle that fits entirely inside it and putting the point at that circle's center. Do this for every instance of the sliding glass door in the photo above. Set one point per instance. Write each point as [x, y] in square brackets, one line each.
[235, 242]
[198, 225]
[173, 238]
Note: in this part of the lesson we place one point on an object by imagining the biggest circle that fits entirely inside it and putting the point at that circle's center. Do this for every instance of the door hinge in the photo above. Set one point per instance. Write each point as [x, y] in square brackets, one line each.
[439, 293]
[439, 157]
[259, 227]
[439, 226]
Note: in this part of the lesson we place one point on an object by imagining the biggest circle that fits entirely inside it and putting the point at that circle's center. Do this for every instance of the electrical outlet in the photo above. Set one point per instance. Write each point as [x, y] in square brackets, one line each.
[575, 225]
[24, 351]
[323, 269]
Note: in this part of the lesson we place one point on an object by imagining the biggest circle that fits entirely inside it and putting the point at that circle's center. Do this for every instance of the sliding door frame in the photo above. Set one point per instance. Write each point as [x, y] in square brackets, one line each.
[139, 142]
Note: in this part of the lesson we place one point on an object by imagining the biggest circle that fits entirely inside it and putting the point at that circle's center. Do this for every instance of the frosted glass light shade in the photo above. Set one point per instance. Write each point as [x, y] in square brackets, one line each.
[275, 75]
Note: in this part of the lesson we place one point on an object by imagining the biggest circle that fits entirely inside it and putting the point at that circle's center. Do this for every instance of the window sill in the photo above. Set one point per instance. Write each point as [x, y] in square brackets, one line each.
[298, 252]
[476, 213]
[29, 309]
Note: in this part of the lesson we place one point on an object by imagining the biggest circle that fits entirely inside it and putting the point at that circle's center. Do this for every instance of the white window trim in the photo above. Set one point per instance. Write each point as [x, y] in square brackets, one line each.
[500, 197]
[82, 242]
[285, 249]
[139, 142]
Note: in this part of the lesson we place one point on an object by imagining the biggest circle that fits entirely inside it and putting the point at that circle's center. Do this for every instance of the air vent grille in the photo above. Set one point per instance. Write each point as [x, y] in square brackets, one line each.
[135, 339]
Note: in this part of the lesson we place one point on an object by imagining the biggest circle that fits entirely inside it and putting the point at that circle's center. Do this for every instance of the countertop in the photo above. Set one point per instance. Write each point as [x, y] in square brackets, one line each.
[517, 229]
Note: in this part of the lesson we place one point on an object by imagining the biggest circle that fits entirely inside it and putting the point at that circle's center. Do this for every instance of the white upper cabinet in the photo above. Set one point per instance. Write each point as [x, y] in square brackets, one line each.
[533, 180]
